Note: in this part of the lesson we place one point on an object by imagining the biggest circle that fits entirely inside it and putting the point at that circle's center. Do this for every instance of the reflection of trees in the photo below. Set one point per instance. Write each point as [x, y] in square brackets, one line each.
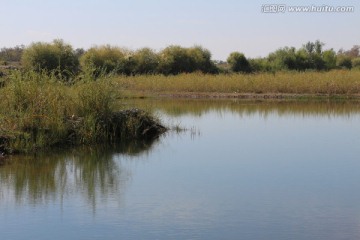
[91, 171]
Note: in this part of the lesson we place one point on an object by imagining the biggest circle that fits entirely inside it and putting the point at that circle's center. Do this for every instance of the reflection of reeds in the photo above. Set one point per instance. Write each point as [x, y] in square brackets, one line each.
[91, 171]
[333, 82]
[198, 107]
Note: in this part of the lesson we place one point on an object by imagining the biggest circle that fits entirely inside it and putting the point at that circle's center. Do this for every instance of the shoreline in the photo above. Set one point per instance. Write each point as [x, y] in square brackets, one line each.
[244, 96]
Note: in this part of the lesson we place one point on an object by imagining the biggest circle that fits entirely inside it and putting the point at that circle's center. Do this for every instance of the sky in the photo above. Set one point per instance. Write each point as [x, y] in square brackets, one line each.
[220, 26]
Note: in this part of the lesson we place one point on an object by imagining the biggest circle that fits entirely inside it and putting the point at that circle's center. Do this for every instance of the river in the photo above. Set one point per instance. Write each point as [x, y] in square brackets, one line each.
[228, 170]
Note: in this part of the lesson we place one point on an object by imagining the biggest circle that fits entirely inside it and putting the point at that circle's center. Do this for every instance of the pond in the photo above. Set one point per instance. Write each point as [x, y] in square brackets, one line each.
[231, 170]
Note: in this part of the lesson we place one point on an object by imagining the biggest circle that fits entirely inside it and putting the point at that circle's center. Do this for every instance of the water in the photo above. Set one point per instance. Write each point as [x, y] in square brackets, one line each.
[241, 170]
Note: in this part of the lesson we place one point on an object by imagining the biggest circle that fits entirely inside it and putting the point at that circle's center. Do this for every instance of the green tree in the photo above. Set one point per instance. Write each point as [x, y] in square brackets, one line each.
[314, 52]
[344, 61]
[174, 60]
[283, 59]
[200, 59]
[356, 63]
[238, 62]
[145, 61]
[302, 60]
[12, 54]
[58, 57]
[260, 65]
[329, 57]
[104, 59]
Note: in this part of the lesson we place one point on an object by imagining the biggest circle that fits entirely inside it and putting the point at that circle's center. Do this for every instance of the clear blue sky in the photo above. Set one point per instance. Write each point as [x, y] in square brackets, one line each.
[221, 26]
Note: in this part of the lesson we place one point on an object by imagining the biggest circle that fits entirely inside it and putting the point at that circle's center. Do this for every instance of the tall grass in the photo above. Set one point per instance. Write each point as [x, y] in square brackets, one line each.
[33, 108]
[38, 111]
[334, 82]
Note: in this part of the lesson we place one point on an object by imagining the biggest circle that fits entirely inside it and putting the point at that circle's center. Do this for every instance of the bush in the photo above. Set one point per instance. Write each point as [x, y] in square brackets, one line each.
[238, 62]
[104, 59]
[329, 57]
[356, 63]
[12, 54]
[145, 61]
[200, 58]
[344, 62]
[283, 58]
[260, 65]
[57, 57]
[175, 60]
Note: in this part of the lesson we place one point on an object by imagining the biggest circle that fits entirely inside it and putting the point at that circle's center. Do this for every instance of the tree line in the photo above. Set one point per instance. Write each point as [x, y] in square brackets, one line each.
[61, 58]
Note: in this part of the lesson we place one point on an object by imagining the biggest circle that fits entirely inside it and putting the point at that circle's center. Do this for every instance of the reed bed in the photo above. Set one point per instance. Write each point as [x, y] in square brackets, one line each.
[38, 111]
[343, 82]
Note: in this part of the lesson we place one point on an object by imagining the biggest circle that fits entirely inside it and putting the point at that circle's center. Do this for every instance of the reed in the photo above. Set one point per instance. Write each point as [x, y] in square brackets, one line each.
[38, 111]
[336, 82]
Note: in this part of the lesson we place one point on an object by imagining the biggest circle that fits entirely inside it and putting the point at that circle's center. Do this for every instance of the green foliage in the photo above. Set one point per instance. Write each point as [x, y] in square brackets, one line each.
[104, 59]
[57, 57]
[356, 63]
[260, 65]
[34, 106]
[37, 111]
[283, 59]
[313, 47]
[12, 54]
[95, 100]
[201, 59]
[344, 61]
[310, 57]
[176, 59]
[145, 61]
[238, 62]
[329, 57]
[314, 55]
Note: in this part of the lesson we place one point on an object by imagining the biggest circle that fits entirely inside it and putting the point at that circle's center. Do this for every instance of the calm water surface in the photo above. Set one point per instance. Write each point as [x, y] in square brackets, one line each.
[241, 170]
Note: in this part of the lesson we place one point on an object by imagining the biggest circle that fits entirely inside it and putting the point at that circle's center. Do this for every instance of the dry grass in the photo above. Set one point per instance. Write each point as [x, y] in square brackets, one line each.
[342, 82]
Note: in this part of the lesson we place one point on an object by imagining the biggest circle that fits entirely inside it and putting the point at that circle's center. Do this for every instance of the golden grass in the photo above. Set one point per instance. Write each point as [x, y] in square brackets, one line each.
[342, 82]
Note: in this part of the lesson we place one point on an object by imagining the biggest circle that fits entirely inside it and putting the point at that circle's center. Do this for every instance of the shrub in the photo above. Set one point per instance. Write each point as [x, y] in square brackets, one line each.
[260, 65]
[104, 59]
[200, 58]
[283, 58]
[57, 57]
[175, 60]
[344, 62]
[238, 62]
[12, 54]
[145, 61]
[329, 57]
[356, 63]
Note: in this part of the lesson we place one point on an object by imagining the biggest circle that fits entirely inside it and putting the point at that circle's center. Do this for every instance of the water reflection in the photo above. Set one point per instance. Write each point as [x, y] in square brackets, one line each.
[288, 170]
[199, 107]
[92, 171]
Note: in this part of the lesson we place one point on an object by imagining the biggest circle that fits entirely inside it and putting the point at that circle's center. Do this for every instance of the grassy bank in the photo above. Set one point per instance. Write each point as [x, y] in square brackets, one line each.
[336, 82]
[38, 111]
